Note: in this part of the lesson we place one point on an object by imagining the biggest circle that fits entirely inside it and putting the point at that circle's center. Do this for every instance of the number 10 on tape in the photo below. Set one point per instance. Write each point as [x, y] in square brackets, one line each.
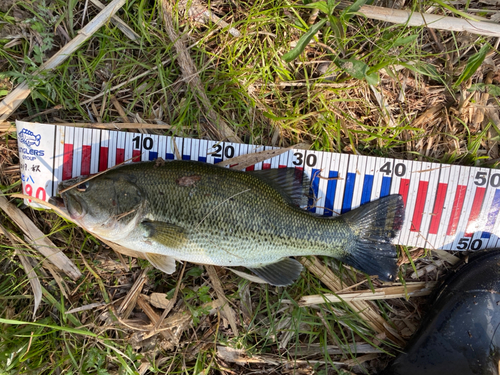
[447, 206]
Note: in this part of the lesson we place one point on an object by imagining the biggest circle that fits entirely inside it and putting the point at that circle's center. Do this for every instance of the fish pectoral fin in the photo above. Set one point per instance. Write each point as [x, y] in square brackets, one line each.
[162, 262]
[247, 276]
[282, 273]
[169, 235]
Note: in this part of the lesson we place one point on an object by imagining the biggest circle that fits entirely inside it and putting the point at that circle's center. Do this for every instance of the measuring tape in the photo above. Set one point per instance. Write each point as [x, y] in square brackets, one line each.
[447, 206]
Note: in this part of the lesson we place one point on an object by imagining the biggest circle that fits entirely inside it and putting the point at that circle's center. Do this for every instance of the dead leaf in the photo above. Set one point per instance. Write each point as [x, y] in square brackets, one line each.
[159, 300]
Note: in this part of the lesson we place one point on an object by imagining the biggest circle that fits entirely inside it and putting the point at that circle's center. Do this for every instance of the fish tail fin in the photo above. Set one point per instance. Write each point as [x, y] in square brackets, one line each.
[374, 225]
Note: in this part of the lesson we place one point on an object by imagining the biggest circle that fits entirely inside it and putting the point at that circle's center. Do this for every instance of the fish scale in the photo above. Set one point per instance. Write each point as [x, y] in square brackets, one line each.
[197, 212]
[247, 209]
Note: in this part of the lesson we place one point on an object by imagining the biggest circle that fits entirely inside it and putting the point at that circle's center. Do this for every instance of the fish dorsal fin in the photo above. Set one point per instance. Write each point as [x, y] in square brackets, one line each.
[291, 183]
[162, 262]
[169, 235]
[281, 273]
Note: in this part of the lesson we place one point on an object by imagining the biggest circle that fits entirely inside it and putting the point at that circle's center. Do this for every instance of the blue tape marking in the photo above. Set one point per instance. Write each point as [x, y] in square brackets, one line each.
[492, 216]
[203, 159]
[367, 189]
[348, 192]
[313, 190]
[169, 156]
[330, 193]
[186, 157]
[217, 161]
[386, 187]
[153, 155]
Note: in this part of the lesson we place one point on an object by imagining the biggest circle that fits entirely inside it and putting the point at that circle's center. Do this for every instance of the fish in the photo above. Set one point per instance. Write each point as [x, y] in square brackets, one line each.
[191, 211]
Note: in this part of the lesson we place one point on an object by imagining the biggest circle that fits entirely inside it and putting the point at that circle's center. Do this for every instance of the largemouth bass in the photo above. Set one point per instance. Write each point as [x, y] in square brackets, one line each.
[202, 213]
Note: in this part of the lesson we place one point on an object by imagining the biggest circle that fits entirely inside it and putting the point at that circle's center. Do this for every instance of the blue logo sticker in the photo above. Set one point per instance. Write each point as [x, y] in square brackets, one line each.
[29, 138]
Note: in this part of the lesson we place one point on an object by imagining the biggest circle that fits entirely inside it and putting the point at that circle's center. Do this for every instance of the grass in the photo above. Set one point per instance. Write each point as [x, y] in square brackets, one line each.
[425, 112]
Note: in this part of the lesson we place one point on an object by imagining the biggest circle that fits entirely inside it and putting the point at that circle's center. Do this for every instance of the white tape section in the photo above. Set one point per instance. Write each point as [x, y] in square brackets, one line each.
[447, 206]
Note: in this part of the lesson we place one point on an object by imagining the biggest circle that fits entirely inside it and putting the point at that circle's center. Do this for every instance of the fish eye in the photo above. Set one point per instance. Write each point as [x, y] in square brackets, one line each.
[83, 186]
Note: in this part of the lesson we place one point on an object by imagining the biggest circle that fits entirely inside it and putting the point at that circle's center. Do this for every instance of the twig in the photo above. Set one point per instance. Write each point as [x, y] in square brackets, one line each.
[123, 214]
[130, 300]
[411, 290]
[220, 204]
[125, 29]
[46, 264]
[115, 126]
[312, 82]
[434, 21]
[91, 306]
[50, 110]
[119, 108]
[152, 315]
[94, 175]
[243, 161]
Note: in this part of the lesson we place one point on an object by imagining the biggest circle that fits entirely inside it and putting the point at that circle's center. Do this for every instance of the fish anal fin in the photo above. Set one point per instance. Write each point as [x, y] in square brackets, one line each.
[281, 273]
[162, 262]
[169, 235]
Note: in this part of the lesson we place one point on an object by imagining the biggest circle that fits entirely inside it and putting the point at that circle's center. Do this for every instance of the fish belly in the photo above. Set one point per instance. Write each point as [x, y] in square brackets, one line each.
[216, 247]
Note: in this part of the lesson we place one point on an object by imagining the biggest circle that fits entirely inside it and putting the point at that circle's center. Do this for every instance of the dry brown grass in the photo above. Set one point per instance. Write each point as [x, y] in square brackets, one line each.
[216, 323]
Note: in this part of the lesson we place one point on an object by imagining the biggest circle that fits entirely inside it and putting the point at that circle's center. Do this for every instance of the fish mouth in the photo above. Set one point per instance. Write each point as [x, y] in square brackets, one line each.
[57, 201]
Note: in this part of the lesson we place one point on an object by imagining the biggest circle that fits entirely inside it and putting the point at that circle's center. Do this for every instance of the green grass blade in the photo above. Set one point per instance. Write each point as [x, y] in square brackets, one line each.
[455, 10]
[303, 41]
[491, 89]
[352, 9]
[57, 328]
[473, 64]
